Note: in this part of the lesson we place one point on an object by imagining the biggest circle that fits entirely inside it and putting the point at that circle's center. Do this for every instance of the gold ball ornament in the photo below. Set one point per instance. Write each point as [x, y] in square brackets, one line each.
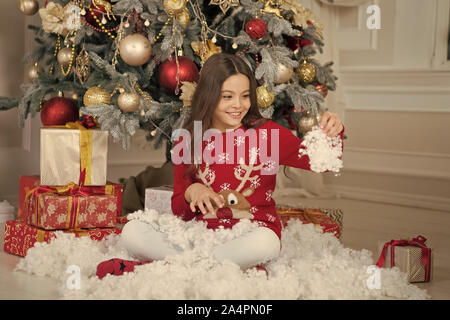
[284, 73]
[173, 7]
[309, 120]
[306, 72]
[64, 56]
[183, 17]
[135, 49]
[28, 7]
[128, 101]
[33, 72]
[264, 97]
[96, 95]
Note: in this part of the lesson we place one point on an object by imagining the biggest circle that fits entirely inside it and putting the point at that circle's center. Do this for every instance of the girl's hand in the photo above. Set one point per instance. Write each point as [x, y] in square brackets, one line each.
[331, 124]
[200, 195]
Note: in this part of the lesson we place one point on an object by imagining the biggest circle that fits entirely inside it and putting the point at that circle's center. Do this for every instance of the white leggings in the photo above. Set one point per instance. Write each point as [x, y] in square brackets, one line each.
[145, 243]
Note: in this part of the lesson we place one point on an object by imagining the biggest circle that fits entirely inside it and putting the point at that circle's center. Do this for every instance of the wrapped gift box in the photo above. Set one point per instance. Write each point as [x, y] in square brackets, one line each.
[88, 207]
[19, 236]
[65, 153]
[26, 184]
[337, 215]
[53, 211]
[411, 256]
[318, 217]
[159, 198]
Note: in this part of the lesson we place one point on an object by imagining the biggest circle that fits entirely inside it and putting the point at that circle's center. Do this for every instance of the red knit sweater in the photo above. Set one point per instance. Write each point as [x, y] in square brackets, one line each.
[245, 189]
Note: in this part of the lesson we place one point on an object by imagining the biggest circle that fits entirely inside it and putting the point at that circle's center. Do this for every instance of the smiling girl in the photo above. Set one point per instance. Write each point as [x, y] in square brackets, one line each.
[219, 193]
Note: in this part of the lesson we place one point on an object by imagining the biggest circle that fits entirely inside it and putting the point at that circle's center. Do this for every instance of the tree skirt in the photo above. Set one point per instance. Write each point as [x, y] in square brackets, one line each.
[311, 265]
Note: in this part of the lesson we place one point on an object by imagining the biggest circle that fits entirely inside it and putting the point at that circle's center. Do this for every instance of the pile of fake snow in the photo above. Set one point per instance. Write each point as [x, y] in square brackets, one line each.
[325, 153]
[311, 265]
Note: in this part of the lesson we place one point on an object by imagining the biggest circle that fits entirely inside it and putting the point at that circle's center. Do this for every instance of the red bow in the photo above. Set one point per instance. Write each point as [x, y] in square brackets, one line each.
[88, 122]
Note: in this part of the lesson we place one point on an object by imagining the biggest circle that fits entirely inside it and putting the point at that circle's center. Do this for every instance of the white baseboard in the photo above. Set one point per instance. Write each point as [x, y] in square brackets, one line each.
[397, 198]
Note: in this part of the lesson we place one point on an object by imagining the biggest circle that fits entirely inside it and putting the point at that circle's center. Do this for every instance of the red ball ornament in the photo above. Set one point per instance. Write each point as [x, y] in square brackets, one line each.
[167, 73]
[256, 28]
[58, 111]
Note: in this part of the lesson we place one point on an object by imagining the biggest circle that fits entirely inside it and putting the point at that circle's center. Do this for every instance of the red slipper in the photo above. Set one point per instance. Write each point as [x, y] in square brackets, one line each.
[117, 267]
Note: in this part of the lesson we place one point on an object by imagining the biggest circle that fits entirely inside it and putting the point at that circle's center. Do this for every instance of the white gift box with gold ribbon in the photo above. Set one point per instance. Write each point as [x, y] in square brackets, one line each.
[66, 153]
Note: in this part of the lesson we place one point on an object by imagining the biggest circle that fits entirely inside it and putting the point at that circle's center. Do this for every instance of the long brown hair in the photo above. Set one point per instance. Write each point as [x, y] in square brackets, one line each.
[208, 94]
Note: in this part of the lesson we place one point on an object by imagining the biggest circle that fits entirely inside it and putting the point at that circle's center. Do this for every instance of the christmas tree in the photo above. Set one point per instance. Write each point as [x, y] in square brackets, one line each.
[133, 64]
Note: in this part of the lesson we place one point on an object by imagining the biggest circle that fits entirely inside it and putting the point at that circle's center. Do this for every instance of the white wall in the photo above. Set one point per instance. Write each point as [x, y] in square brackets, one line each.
[11, 77]
[397, 86]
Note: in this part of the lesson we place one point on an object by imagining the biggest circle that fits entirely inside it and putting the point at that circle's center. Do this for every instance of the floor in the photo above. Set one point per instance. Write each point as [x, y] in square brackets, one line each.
[365, 225]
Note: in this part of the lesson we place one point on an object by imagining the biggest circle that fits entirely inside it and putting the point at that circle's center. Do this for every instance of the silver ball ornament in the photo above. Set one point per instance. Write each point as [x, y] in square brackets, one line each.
[128, 101]
[28, 7]
[64, 56]
[33, 72]
[284, 73]
[135, 49]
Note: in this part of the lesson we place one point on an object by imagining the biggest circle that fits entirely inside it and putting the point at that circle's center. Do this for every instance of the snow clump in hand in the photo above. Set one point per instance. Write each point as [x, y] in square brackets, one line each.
[325, 153]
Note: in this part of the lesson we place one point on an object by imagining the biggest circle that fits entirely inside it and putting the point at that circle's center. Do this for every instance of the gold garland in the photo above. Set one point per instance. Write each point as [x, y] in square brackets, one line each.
[160, 33]
[55, 53]
[144, 94]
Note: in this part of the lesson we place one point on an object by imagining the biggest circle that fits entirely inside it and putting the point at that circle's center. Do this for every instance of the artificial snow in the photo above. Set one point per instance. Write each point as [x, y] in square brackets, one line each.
[311, 265]
[325, 153]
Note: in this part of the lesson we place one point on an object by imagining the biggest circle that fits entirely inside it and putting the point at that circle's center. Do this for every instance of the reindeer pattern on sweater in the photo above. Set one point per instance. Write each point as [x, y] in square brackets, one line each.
[239, 180]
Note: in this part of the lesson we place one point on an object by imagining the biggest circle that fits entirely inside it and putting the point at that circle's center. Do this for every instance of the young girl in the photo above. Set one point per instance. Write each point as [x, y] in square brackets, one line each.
[223, 191]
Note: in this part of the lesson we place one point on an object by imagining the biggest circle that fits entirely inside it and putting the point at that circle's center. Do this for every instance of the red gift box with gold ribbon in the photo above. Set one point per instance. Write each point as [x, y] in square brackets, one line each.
[316, 216]
[411, 256]
[68, 207]
[19, 236]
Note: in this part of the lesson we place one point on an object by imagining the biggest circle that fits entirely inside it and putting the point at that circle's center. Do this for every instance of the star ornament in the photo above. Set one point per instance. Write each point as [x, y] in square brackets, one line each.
[225, 4]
